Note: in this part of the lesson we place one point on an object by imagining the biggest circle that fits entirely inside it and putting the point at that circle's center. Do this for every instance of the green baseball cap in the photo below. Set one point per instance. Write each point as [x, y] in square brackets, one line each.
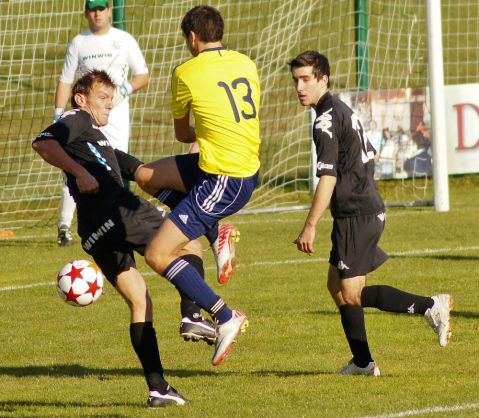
[93, 4]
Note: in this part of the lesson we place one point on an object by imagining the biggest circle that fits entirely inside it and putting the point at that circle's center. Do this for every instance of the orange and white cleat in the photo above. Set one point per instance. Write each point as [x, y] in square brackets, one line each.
[224, 249]
[226, 336]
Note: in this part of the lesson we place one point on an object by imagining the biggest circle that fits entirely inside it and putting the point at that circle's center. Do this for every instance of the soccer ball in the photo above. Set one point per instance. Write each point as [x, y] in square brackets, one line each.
[80, 283]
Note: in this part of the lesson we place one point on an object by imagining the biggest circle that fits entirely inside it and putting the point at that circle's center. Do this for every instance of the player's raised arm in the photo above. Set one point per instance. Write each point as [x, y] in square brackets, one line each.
[183, 131]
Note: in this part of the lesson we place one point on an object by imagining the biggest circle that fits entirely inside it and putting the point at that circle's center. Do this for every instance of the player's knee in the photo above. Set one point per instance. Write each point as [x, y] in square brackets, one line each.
[352, 298]
[143, 177]
[155, 260]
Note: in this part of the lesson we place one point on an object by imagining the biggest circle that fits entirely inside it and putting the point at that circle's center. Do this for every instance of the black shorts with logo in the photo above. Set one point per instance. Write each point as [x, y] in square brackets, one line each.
[110, 238]
[355, 240]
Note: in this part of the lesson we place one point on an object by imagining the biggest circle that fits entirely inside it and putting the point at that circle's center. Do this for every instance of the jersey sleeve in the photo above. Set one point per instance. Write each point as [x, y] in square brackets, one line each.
[326, 140]
[128, 164]
[136, 60]
[67, 129]
[70, 64]
[181, 96]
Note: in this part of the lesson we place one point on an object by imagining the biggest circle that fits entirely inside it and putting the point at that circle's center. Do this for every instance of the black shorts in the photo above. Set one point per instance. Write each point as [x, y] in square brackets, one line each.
[111, 238]
[355, 249]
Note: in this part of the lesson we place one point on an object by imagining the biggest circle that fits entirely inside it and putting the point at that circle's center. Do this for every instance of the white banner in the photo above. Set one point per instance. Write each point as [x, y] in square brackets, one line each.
[398, 125]
[462, 125]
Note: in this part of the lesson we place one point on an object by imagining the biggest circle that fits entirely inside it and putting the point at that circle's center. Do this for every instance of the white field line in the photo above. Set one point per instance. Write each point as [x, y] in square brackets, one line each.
[246, 219]
[429, 410]
[280, 262]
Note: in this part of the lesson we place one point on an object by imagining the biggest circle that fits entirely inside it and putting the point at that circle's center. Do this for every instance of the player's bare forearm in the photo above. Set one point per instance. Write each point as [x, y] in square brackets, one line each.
[62, 94]
[52, 152]
[322, 197]
[139, 81]
[183, 131]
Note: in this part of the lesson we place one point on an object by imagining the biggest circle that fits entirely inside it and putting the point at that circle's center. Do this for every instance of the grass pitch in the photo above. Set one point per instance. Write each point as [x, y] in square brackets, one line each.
[58, 360]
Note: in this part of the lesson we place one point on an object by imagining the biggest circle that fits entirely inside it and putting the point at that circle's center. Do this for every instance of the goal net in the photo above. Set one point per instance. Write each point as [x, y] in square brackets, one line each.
[34, 35]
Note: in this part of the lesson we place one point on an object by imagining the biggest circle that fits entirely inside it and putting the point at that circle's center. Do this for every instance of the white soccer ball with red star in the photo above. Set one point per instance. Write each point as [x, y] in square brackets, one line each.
[80, 283]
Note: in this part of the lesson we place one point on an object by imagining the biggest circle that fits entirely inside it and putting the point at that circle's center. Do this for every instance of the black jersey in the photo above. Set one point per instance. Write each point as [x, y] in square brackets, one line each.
[343, 151]
[87, 145]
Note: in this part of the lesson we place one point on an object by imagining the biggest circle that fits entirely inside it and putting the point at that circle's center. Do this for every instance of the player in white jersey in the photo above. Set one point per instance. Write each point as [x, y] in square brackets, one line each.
[101, 47]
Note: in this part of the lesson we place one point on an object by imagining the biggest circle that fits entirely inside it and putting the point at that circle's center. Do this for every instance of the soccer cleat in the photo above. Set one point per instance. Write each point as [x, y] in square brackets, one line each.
[65, 238]
[159, 399]
[226, 336]
[371, 369]
[224, 250]
[203, 329]
[439, 317]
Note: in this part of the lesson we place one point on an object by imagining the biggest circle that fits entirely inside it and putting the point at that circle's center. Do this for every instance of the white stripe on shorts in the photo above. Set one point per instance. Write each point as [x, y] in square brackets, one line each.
[163, 195]
[216, 194]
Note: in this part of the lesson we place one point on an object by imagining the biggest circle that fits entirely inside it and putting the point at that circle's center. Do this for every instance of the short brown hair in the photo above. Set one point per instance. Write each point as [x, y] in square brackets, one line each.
[84, 84]
[204, 21]
[318, 61]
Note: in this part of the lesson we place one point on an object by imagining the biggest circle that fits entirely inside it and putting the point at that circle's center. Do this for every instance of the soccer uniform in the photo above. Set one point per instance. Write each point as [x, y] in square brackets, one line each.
[221, 88]
[344, 152]
[115, 52]
[113, 222]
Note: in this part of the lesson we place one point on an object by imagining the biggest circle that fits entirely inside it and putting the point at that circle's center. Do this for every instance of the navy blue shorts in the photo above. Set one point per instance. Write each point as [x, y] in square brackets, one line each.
[210, 197]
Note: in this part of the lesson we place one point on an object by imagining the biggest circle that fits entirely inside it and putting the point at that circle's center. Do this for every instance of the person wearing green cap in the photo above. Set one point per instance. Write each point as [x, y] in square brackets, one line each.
[101, 47]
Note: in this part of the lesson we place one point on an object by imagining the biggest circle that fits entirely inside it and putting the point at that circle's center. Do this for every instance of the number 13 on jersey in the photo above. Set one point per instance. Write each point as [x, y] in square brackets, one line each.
[246, 103]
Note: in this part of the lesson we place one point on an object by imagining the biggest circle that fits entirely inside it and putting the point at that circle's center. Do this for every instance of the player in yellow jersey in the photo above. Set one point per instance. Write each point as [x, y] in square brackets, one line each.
[221, 89]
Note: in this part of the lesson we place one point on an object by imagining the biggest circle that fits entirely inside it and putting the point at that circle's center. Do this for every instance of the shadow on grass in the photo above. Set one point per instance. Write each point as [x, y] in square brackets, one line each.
[22, 243]
[441, 257]
[465, 314]
[75, 370]
[373, 311]
[13, 406]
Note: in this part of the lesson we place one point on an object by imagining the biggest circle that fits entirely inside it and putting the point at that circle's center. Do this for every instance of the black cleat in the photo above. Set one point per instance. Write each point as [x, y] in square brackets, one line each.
[159, 399]
[65, 238]
[203, 329]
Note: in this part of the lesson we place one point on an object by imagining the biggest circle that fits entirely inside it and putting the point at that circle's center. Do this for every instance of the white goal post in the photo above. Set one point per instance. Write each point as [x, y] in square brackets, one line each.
[34, 35]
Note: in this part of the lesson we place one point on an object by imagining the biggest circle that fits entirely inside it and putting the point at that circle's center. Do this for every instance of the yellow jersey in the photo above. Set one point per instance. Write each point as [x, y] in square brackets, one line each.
[221, 88]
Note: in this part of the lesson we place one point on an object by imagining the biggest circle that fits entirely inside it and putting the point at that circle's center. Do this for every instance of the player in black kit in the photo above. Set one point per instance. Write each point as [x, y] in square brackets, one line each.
[345, 166]
[113, 222]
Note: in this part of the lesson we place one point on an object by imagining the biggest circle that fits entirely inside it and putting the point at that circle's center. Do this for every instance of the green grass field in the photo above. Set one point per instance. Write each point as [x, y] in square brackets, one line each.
[62, 361]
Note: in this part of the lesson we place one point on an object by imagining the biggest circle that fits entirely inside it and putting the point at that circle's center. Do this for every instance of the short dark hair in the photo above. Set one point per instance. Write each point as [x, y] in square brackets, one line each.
[85, 83]
[318, 61]
[204, 21]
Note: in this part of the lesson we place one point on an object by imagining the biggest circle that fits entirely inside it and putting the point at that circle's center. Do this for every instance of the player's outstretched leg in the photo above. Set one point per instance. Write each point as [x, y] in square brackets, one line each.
[439, 317]
[222, 237]
[224, 248]
[226, 334]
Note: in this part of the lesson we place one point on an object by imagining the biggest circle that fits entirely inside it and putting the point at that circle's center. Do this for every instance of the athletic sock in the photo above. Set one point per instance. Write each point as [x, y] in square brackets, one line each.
[212, 234]
[189, 282]
[170, 197]
[143, 340]
[190, 309]
[352, 319]
[390, 299]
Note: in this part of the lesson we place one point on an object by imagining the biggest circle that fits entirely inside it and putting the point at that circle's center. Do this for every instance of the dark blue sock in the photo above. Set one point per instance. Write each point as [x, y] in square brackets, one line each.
[212, 234]
[189, 282]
